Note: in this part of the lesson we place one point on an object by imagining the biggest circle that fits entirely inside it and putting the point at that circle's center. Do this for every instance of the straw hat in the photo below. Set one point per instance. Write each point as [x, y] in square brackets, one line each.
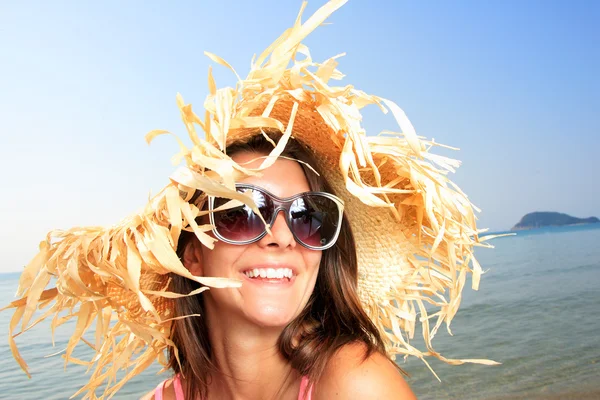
[415, 230]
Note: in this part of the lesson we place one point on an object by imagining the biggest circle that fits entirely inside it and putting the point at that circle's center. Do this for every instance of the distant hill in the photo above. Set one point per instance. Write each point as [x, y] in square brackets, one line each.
[539, 219]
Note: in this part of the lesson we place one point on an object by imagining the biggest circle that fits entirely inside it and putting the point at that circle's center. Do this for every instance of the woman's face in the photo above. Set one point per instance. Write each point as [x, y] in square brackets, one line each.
[265, 302]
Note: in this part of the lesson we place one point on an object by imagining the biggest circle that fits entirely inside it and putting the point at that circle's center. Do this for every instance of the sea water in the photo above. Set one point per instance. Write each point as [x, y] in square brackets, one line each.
[537, 312]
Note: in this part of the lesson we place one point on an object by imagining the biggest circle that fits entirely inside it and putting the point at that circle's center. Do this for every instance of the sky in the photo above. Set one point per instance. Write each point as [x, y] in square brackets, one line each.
[513, 84]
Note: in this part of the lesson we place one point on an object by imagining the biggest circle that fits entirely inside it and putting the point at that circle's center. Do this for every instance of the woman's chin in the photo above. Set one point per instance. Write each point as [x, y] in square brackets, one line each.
[271, 315]
[273, 305]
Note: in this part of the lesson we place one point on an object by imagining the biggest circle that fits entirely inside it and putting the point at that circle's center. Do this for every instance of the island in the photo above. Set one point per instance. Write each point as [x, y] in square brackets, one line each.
[540, 219]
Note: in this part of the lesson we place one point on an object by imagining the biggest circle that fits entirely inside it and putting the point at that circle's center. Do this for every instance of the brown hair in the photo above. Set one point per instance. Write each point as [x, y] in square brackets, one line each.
[332, 317]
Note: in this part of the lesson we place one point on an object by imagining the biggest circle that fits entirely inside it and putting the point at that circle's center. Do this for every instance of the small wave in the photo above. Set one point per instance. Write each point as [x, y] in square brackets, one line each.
[578, 268]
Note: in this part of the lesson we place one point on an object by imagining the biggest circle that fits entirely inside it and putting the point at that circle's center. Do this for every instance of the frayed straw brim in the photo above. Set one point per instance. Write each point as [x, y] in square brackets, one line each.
[415, 230]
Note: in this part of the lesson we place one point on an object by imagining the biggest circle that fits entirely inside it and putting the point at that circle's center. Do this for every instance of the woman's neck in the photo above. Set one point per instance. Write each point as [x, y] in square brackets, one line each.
[249, 361]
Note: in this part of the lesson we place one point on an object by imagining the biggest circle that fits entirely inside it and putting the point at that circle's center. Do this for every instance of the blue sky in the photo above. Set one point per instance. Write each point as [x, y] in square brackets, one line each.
[513, 84]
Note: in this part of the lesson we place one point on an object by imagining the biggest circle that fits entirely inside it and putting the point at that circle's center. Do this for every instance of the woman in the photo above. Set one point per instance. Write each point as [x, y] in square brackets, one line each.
[257, 341]
[180, 277]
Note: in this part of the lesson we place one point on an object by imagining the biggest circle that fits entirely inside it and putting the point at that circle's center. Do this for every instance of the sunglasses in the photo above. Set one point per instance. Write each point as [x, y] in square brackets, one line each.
[314, 218]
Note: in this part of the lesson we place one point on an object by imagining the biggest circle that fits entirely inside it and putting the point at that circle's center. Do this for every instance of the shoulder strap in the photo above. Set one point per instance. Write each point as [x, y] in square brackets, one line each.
[158, 392]
[178, 388]
[303, 385]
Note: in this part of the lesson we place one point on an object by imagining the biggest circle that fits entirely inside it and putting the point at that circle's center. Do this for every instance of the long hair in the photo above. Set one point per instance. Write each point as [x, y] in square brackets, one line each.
[332, 317]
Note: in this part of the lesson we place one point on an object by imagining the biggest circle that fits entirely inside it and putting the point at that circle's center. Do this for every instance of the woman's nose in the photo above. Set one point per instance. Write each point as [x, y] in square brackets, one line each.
[280, 233]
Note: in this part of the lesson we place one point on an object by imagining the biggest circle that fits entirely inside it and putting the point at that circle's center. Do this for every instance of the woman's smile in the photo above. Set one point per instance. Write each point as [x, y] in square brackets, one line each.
[283, 277]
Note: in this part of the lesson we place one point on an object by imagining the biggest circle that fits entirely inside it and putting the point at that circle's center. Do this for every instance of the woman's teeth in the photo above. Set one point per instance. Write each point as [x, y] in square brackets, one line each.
[269, 273]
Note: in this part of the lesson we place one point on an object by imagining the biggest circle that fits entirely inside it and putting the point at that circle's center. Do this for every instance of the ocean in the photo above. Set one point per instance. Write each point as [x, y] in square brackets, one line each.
[537, 312]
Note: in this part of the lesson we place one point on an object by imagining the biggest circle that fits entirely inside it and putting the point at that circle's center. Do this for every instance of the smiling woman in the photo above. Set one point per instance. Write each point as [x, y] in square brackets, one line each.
[297, 304]
[288, 258]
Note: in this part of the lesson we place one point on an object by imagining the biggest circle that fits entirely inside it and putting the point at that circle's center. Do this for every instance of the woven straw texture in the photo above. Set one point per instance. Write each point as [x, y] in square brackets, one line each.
[415, 231]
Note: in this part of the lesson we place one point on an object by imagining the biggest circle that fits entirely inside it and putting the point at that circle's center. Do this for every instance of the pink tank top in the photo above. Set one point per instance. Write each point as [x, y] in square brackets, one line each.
[158, 393]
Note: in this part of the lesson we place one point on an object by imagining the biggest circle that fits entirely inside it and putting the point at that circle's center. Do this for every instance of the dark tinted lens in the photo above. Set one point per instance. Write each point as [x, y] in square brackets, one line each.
[241, 223]
[314, 219]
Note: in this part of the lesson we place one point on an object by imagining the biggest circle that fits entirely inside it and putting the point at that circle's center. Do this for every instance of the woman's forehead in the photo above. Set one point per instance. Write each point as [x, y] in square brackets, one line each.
[284, 178]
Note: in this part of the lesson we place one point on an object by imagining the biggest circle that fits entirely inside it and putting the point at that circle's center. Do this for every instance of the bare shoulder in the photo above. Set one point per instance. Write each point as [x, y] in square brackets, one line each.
[347, 376]
[168, 392]
[148, 396]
